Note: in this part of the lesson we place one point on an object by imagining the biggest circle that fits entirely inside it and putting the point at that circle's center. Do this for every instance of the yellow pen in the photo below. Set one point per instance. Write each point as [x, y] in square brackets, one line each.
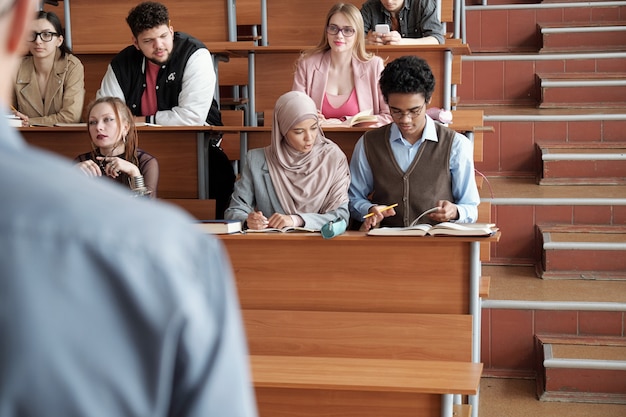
[382, 209]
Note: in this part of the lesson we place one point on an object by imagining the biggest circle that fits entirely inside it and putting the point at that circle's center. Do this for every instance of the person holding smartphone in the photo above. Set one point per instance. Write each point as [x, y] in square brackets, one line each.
[408, 22]
[339, 74]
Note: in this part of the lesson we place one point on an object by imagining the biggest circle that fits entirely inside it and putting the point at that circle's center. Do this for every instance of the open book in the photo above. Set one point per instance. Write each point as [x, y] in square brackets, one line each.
[287, 229]
[365, 116]
[441, 229]
[137, 124]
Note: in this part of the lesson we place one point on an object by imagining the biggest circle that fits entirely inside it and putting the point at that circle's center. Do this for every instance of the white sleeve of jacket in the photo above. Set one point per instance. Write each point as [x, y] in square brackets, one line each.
[196, 95]
[110, 87]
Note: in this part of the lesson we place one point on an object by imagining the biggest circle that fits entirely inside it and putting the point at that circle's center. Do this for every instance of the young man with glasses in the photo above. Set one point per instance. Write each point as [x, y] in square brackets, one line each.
[167, 78]
[410, 22]
[109, 305]
[414, 162]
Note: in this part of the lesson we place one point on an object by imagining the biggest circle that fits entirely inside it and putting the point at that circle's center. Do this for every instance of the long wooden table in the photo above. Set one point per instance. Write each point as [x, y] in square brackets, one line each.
[271, 68]
[182, 152]
[359, 273]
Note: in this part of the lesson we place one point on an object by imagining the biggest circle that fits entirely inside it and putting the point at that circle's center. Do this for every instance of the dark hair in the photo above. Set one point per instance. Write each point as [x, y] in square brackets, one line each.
[58, 28]
[147, 15]
[407, 75]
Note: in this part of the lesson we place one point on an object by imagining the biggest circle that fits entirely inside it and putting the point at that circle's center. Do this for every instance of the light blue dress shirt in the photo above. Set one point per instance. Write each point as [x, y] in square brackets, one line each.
[464, 188]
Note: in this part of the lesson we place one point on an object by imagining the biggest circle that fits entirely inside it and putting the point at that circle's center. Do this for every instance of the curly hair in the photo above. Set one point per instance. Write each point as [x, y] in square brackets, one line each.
[407, 75]
[147, 15]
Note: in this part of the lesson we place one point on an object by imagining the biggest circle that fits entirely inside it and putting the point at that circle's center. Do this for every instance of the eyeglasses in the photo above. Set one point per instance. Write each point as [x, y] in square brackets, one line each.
[346, 31]
[413, 113]
[45, 36]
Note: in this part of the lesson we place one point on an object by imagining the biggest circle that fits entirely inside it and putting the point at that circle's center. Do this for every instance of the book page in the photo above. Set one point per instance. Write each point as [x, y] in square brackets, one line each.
[416, 230]
[463, 229]
[288, 229]
[364, 116]
[441, 229]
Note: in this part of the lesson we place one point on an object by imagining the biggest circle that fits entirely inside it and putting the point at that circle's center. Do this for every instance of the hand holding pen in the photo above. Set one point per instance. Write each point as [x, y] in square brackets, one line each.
[256, 220]
[377, 214]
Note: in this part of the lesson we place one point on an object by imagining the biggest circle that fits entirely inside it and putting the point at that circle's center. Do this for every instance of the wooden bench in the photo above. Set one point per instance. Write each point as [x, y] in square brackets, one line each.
[307, 362]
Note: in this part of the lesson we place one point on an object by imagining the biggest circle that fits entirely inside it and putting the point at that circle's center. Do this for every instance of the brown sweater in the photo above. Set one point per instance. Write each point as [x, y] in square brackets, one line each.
[426, 181]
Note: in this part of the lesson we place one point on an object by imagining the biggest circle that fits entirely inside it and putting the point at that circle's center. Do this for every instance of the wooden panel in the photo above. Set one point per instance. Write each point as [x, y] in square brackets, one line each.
[363, 335]
[276, 402]
[274, 70]
[233, 72]
[200, 209]
[344, 273]
[248, 12]
[176, 151]
[104, 28]
[95, 68]
[367, 375]
[287, 27]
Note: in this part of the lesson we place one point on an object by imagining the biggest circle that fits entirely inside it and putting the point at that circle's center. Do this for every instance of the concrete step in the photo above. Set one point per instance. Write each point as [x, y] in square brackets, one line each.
[510, 149]
[592, 252]
[595, 90]
[587, 163]
[513, 27]
[582, 36]
[511, 79]
[519, 204]
[521, 305]
[581, 369]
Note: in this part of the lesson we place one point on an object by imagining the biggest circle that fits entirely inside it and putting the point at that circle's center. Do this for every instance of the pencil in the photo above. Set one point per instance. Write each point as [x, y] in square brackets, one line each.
[13, 108]
[382, 209]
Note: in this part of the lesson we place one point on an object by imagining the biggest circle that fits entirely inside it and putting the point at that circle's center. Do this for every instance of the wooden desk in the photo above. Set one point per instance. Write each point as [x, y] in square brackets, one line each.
[468, 122]
[303, 271]
[271, 69]
[175, 147]
[359, 273]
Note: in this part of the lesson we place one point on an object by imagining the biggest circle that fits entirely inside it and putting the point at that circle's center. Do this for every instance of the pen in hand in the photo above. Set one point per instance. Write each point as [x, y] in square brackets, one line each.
[382, 209]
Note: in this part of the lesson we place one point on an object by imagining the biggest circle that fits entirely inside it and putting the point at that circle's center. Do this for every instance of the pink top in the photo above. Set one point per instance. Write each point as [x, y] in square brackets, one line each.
[349, 108]
[148, 99]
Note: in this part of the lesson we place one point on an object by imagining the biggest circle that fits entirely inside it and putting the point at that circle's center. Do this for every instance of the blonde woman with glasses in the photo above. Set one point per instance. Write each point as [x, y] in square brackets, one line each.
[50, 83]
[339, 74]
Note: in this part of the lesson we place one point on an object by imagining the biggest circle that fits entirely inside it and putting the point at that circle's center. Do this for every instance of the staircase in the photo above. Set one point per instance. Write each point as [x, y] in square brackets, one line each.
[590, 369]
[551, 79]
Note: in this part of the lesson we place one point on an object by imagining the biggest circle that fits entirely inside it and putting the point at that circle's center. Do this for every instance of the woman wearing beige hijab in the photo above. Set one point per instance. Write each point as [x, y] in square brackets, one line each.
[300, 179]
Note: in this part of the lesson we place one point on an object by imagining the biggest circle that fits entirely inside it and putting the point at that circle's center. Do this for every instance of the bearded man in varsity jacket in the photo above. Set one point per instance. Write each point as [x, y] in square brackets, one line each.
[167, 78]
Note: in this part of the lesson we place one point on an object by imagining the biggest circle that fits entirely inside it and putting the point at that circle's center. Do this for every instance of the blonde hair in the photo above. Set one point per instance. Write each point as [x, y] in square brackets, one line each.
[353, 14]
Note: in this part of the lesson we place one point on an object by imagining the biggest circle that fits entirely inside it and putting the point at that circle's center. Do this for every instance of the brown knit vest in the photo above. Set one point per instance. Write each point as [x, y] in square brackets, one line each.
[426, 181]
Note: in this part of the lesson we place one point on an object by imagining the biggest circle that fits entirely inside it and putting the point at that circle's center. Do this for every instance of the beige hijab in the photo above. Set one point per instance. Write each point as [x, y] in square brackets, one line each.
[313, 182]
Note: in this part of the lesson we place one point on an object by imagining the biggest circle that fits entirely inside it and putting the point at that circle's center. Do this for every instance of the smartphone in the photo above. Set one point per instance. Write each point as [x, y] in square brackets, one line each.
[382, 29]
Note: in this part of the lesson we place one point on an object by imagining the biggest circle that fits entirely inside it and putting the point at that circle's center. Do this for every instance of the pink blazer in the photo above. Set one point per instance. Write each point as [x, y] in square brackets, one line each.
[312, 74]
